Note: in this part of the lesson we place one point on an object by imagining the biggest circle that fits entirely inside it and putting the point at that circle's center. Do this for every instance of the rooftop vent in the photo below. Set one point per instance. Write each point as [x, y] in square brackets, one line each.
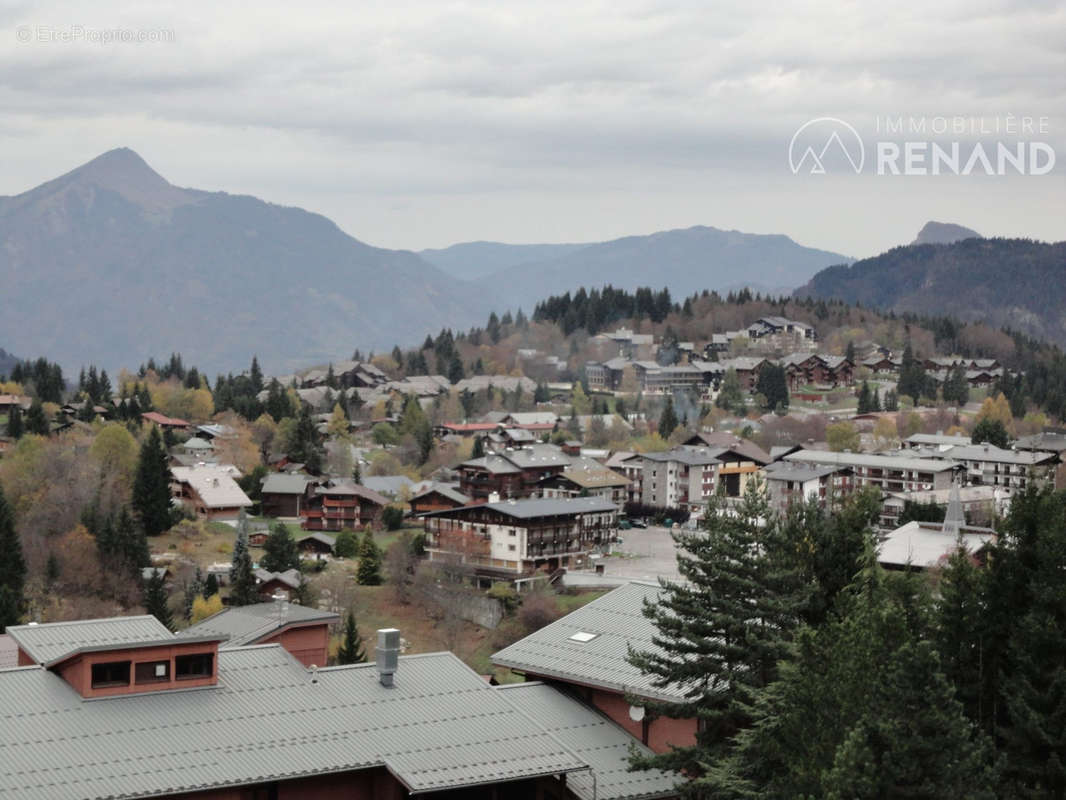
[388, 654]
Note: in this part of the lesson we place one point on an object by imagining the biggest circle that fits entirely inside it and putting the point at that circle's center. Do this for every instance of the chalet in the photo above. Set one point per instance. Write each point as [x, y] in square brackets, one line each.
[103, 709]
[747, 370]
[317, 545]
[464, 429]
[816, 369]
[302, 631]
[587, 478]
[438, 497]
[284, 495]
[776, 326]
[209, 490]
[883, 364]
[512, 472]
[583, 654]
[341, 504]
[10, 401]
[270, 584]
[164, 421]
[513, 538]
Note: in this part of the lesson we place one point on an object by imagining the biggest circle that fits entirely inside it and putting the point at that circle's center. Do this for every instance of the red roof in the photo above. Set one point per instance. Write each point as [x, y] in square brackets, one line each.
[470, 426]
[162, 419]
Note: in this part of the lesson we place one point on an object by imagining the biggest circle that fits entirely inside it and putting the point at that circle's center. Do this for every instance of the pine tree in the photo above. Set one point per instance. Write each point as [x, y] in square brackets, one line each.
[129, 546]
[668, 419]
[155, 599]
[720, 633]
[14, 422]
[242, 578]
[861, 710]
[210, 586]
[36, 421]
[478, 450]
[12, 567]
[151, 485]
[255, 375]
[351, 650]
[280, 551]
[864, 398]
[369, 572]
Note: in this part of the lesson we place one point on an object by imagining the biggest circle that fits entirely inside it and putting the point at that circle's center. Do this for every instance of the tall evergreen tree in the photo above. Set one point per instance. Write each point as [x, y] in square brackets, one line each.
[242, 577]
[151, 485]
[862, 710]
[36, 421]
[255, 375]
[12, 567]
[369, 571]
[721, 632]
[668, 419]
[280, 551]
[14, 422]
[155, 599]
[351, 650]
[129, 547]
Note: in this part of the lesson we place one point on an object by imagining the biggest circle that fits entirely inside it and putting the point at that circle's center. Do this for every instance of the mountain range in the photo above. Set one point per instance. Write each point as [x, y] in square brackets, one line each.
[686, 260]
[1015, 283]
[112, 264]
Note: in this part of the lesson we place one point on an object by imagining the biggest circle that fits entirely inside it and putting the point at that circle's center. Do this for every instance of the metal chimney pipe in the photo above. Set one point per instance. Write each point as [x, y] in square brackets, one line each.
[388, 654]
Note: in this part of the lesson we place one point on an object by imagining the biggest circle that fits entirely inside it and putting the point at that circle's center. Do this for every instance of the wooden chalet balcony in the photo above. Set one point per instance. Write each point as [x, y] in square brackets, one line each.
[330, 503]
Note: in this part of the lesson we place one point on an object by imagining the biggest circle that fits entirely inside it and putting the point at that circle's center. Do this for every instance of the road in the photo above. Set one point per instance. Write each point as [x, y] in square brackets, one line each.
[647, 555]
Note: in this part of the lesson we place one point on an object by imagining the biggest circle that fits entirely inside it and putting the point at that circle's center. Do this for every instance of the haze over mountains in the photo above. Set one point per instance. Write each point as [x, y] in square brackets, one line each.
[685, 260]
[944, 233]
[111, 264]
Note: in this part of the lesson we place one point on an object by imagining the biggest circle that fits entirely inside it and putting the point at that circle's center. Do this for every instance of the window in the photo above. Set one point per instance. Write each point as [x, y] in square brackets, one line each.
[152, 672]
[198, 665]
[511, 547]
[583, 636]
[111, 673]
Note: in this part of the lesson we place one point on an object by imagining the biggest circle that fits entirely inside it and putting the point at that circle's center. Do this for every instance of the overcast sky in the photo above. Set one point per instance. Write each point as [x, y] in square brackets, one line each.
[423, 124]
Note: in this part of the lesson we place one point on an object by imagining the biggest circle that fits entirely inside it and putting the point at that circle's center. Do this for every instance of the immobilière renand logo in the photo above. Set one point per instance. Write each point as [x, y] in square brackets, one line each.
[1007, 145]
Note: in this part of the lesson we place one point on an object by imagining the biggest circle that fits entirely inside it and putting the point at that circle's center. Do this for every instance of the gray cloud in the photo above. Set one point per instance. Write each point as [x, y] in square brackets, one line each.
[418, 124]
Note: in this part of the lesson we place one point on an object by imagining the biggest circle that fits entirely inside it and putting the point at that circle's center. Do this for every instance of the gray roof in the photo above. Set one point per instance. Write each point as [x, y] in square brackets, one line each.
[788, 471]
[597, 740]
[290, 577]
[545, 507]
[444, 490]
[388, 484]
[283, 483]
[989, 452]
[870, 460]
[248, 624]
[441, 726]
[492, 463]
[693, 456]
[47, 642]
[618, 621]
[937, 438]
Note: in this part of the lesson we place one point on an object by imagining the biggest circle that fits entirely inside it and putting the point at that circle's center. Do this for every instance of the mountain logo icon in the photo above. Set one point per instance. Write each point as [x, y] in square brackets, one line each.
[820, 142]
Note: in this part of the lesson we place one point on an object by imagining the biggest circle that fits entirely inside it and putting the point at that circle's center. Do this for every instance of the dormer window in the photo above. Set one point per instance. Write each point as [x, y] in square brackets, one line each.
[152, 671]
[111, 673]
[196, 665]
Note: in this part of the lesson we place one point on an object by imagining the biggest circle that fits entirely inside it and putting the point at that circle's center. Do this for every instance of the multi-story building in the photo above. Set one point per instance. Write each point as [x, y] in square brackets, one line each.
[512, 538]
[340, 505]
[989, 465]
[511, 472]
[788, 483]
[889, 473]
[587, 478]
[685, 477]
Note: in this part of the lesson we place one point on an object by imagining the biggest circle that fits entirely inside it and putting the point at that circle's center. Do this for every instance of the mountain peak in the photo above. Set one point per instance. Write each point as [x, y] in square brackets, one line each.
[944, 233]
[121, 171]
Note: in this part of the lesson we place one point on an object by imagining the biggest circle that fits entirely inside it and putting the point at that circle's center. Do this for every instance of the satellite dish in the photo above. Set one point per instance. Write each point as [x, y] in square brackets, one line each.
[636, 713]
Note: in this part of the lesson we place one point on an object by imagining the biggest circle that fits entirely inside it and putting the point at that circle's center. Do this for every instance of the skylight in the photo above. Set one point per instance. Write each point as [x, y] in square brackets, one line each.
[583, 636]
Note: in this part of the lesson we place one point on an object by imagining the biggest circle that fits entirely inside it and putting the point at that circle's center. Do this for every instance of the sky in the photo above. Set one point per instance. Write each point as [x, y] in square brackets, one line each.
[422, 124]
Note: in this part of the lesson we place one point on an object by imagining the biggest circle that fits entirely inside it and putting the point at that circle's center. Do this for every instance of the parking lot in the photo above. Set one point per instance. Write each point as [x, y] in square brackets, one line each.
[647, 554]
